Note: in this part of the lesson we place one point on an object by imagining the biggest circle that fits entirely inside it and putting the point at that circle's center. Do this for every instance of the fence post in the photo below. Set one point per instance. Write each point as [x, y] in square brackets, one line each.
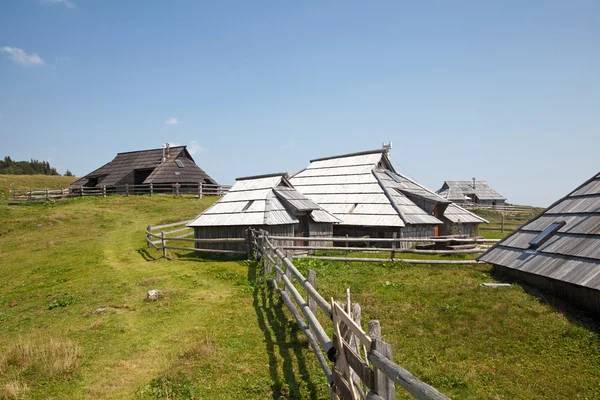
[502, 229]
[14, 194]
[177, 189]
[164, 244]
[151, 189]
[127, 189]
[199, 190]
[384, 386]
[393, 255]
[346, 246]
[148, 228]
[104, 190]
[47, 194]
[30, 194]
[248, 244]
[312, 279]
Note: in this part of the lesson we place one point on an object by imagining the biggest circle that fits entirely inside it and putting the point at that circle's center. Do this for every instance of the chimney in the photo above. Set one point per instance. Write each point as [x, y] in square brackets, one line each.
[473, 183]
[164, 147]
[387, 146]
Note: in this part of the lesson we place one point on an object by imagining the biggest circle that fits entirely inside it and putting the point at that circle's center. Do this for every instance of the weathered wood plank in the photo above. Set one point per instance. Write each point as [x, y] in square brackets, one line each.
[384, 240]
[205, 250]
[418, 389]
[407, 261]
[384, 249]
[357, 330]
[342, 385]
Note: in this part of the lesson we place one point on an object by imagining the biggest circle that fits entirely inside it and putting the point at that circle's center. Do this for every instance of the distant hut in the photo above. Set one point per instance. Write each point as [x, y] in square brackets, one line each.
[472, 192]
[558, 250]
[371, 199]
[267, 202]
[167, 165]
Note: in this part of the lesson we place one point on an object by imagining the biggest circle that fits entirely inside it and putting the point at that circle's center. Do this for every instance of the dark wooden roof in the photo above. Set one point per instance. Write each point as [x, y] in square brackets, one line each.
[572, 254]
[124, 165]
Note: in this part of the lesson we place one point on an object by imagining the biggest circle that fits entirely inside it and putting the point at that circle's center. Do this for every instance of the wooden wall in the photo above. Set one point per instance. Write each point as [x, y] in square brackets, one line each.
[211, 232]
[411, 231]
[451, 228]
[578, 296]
[319, 229]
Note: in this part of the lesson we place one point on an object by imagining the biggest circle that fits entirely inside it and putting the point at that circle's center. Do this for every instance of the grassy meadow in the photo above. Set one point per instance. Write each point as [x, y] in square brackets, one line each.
[74, 322]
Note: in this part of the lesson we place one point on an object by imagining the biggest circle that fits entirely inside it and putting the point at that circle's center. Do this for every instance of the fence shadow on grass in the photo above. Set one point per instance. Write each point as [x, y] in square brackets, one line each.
[281, 334]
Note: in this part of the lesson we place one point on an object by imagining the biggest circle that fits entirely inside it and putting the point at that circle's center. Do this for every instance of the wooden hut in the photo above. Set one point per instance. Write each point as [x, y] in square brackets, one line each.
[371, 199]
[267, 202]
[167, 165]
[471, 192]
[558, 250]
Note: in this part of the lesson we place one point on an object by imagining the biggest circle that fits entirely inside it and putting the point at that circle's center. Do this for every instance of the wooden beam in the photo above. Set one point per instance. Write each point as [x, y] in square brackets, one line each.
[418, 389]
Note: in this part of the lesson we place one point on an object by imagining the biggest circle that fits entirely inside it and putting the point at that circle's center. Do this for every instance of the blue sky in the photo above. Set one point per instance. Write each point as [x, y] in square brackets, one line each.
[507, 91]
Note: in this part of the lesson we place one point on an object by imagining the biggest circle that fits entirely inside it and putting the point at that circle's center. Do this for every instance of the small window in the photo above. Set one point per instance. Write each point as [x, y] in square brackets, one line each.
[546, 234]
[179, 163]
[247, 206]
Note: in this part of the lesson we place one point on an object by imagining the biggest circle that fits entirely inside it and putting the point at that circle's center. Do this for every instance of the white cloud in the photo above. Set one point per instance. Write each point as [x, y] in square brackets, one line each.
[194, 148]
[67, 3]
[20, 57]
[172, 121]
[289, 145]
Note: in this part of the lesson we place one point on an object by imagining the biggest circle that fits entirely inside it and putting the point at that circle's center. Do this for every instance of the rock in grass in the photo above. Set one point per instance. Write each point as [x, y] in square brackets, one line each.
[154, 295]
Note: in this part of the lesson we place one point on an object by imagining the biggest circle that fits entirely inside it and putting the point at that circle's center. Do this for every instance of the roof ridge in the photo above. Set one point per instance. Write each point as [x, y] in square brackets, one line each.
[142, 151]
[360, 153]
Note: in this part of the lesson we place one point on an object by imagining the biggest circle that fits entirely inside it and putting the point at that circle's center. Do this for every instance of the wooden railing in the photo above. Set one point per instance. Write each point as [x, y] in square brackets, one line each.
[160, 236]
[197, 189]
[451, 244]
[362, 363]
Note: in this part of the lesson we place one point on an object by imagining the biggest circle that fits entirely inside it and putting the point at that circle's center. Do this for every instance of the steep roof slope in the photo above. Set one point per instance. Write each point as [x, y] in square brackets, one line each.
[458, 190]
[563, 242]
[261, 200]
[168, 172]
[363, 189]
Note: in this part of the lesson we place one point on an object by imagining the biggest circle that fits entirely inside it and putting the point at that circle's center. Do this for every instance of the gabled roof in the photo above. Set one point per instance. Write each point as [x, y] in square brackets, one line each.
[364, 189]
[261, 200]
[126, 163]
[571, 254]
[459, 190]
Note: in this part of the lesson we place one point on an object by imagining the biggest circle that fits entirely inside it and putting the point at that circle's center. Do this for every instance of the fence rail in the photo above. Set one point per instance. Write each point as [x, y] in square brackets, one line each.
[362, 363]
[184, 232]
[198, 189]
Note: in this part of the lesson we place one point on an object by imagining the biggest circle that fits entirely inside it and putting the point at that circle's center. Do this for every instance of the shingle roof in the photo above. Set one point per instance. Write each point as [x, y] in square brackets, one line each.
[572, 254]
[126, 163]
[459, 190]
[364, 189]
[262, 200]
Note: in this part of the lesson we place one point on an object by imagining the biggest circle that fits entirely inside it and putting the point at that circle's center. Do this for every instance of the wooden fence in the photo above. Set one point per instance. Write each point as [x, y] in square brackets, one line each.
[501, 208]
[160, 236]
[197, 189]
[362, 362]
[505, 222]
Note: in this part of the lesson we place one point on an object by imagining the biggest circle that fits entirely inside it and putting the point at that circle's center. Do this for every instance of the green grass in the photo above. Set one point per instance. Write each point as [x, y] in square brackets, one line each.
[74, 322]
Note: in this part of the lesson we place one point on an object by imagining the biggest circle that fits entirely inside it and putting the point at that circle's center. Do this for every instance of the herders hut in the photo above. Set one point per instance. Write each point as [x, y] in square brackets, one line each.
[267, 202]
[558, 250]
[167, 165]
[371, 199]
[472, 192]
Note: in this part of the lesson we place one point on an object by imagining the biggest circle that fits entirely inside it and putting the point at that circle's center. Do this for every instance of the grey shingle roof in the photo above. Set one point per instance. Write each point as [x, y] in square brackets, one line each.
[262, 200]
[364, 189]
[458, 190]
[572, 254]
[124, 164]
